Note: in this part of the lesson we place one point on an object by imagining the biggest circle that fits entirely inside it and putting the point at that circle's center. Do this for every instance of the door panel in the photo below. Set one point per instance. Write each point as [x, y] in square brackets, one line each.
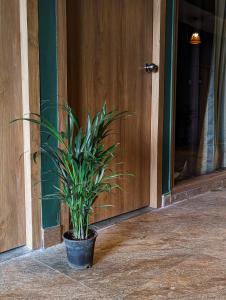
[12, 205]
[108, 42]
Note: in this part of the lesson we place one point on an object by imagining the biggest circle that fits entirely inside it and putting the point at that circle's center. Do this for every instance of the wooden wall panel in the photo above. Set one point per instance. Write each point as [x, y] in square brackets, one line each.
[12, 204]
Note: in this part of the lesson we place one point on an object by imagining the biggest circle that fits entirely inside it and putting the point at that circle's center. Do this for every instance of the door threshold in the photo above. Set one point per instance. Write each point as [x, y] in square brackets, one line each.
[13, 253]
[120, 218]
[189, 188]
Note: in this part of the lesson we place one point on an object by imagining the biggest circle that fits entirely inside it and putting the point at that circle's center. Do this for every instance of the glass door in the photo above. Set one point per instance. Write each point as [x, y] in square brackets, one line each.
[200, 125]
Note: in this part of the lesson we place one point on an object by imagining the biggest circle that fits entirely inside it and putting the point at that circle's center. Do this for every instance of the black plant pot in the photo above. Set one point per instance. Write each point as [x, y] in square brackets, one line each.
[80, 252]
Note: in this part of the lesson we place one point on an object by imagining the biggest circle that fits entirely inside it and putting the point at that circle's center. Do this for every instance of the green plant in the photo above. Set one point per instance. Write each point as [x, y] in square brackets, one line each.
[82, 163]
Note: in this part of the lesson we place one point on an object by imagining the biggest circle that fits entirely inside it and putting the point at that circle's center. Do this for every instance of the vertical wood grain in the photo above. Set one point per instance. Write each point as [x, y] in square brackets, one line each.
[31, 103]
[34, 106]
[108, 43]
[26, 125]
[157, 112]
[62, 85]
[12, 203]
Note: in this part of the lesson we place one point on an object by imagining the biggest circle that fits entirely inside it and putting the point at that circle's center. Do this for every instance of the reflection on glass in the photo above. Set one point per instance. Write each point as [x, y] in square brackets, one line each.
[195, 39]
[200, 137]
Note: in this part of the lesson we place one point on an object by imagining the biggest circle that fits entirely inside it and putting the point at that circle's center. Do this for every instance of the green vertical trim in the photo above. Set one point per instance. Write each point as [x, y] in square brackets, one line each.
[48, 95]
[167, 123]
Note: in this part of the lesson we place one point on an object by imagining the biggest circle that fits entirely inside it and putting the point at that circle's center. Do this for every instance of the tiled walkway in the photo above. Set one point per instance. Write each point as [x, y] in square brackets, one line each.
[174, 253]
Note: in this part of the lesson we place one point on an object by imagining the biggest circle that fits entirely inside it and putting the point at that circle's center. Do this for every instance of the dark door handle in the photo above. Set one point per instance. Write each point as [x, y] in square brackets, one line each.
[150, 68]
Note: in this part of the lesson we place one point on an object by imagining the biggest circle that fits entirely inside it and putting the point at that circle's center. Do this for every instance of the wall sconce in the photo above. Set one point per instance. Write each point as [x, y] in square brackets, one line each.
[195, 39]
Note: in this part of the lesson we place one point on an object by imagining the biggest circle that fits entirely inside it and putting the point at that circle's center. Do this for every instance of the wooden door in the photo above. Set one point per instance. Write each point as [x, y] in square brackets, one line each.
[108, 43]
[12, 205]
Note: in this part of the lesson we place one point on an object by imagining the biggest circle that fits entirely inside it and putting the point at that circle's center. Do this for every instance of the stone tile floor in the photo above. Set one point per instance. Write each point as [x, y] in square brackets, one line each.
[178, 252]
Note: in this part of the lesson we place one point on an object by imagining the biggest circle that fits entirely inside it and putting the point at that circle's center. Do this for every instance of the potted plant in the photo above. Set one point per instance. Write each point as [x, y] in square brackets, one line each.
[82, 162]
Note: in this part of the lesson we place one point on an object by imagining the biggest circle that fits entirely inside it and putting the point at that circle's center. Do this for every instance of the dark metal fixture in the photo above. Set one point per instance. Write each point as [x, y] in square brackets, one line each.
[150, 68]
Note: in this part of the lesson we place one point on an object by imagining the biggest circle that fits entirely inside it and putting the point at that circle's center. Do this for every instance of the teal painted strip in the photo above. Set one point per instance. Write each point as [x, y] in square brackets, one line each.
[167, 123]
[48, 95]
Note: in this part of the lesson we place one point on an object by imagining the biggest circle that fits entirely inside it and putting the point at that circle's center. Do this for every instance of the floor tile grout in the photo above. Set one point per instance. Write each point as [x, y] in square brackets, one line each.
[67, 276]
[185, 253]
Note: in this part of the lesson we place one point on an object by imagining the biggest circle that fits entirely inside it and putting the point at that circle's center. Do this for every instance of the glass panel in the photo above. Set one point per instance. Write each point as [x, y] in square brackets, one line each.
[200, 135]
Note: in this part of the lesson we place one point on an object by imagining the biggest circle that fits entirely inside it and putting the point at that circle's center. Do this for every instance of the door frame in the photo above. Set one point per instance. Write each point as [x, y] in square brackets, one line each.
[62, 86]
[31, 134]
[158, 57]
[174, 86]
[157, 110]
